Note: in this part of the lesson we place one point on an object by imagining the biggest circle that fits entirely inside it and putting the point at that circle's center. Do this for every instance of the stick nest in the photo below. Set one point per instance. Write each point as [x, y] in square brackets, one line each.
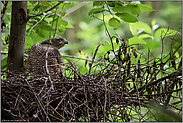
[109, 94]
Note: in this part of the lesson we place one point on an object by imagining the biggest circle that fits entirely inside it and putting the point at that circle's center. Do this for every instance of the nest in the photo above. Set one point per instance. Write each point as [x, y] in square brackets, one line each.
[108, 95]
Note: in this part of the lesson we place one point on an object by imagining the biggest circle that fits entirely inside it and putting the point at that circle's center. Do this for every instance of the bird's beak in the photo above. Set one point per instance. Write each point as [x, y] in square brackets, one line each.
[66, 42]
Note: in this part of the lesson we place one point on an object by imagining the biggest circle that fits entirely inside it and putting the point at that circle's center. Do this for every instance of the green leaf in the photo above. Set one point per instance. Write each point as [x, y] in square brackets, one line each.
[152, 45]
[98, 3]
[145, 36]
[127, 17]
[118, 8]
[133, 29]
[69, 26]
[63, 22]
[3, 63]
[95, 11]
[48, 20]
[4, 34]
[145, 7]
[177, 55]
[164, 32]
[43, 25]
[36, 38]
[145, 26]
[45, 3]
[36, 7]
[33, 2]
[43, 33]
[61, 28]
[111, 3]
[153, 22]
[28, 42]
[134, 9]
[136, 40]
[114, 22]
[82, 69]
[61, 12]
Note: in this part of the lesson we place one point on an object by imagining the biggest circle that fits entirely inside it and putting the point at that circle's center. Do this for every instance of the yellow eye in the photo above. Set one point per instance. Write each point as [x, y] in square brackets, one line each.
[61, 39]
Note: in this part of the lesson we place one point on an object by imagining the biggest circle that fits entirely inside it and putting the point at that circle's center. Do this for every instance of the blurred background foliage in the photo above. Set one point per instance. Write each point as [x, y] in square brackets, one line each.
[74, 22]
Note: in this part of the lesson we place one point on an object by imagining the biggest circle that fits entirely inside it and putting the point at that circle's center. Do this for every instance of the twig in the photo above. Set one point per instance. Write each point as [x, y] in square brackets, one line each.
[151, 67]
[105, 99]
[36, 24]
[93, 58]
[57, 112]
[82, 103]
[157, 81]
[47, 71]
[162, 39]
[163, 92]
[43, 87]
[76, 7]
[46, 10]
[75, 57]
[63, 98]
[4, 9]
[52, 23]
[36, 97]
[107, 32]
[56, 27]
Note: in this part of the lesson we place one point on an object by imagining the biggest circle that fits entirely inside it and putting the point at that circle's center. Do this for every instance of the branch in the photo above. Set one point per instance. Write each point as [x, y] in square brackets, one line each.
[36, 24]
[52, 23]
[163, 92]
[76, 7]
[46, 10]
[151, 67]
[26, 55]
[6, 52]
[4, 10]
[175, 74]
[35, 94]
[94, 57]
[47, 71]
[108, 32]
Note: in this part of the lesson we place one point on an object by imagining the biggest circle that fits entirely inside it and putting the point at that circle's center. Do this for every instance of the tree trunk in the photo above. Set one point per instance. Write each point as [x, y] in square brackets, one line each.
[17, 36]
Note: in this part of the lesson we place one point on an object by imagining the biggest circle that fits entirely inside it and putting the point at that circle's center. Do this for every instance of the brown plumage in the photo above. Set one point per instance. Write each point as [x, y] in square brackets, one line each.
[45, 58]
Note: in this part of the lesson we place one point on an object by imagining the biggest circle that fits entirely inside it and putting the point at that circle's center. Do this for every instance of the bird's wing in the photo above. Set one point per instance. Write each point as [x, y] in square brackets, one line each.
[57, 55]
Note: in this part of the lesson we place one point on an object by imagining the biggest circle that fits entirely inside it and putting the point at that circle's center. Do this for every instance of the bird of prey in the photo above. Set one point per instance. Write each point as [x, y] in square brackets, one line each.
[45, 58]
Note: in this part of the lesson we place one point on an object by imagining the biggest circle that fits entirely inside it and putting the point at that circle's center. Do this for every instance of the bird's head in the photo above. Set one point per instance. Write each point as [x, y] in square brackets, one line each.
[55, 42]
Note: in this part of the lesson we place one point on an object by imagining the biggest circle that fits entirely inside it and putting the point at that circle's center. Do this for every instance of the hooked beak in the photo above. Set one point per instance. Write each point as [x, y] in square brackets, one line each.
[66, 42]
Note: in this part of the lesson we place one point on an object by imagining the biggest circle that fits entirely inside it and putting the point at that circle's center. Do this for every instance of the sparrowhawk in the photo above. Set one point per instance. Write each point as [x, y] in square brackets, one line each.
[45, 58]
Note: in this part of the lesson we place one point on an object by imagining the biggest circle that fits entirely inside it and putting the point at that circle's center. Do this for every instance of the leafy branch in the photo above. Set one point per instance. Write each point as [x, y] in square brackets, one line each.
[46, 10]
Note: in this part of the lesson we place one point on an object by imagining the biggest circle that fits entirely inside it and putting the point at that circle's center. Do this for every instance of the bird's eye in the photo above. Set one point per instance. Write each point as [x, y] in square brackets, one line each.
[61, 39]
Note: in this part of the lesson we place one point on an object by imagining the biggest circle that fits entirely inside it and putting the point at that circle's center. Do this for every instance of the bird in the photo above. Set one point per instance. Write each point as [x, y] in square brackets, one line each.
[45, 59]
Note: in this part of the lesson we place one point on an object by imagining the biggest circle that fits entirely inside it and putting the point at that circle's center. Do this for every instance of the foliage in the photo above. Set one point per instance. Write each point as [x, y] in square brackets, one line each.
[150, 43]
[126, 11]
